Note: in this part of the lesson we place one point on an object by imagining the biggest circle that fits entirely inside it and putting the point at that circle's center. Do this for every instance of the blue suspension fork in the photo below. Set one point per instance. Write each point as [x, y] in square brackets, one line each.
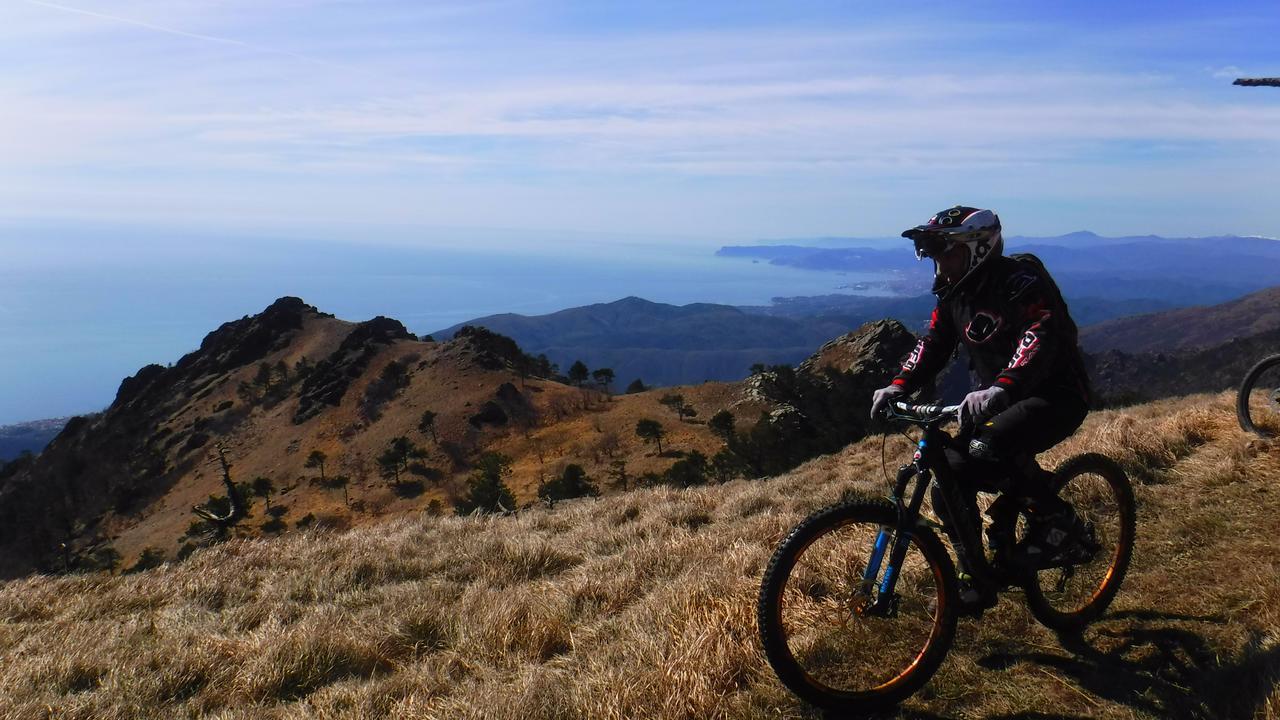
[898, 537]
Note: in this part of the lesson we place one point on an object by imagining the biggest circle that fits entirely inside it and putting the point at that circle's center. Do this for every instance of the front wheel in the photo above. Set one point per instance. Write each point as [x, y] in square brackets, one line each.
[1068, 598]
[1258, 401]
[823, 632]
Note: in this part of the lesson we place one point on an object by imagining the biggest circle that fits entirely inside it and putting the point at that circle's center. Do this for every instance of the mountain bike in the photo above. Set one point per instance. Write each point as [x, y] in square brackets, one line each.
[1258, 400]
[858, 605]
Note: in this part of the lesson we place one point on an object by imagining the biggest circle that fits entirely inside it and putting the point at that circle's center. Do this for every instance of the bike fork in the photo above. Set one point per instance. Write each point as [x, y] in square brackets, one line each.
[895, 540]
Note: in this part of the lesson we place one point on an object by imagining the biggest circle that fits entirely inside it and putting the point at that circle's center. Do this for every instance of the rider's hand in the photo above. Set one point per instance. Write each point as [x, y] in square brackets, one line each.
[983, 403]
[880, 398]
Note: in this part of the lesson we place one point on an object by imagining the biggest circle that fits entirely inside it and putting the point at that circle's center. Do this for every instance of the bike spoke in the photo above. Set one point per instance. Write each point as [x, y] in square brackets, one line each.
[832, 640]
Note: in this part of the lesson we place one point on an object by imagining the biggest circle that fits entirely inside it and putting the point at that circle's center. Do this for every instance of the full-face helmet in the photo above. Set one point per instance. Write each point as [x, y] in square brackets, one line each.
[975, 228]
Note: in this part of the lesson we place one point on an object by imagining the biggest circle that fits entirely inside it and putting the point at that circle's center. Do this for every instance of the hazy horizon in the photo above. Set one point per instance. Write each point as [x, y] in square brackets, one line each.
[202, 147]
[72, 335]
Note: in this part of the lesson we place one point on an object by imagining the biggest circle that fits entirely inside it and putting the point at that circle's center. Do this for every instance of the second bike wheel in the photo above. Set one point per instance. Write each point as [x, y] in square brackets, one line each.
[1068, 598]
[1258, 400]
[813, 612]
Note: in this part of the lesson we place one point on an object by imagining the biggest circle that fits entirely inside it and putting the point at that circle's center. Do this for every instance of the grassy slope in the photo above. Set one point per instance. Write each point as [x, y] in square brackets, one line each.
[268, 444]
[641, 605]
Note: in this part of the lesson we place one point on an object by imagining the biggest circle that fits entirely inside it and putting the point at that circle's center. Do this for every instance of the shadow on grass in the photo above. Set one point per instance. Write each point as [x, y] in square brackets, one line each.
[1160, 669]
[408, 488]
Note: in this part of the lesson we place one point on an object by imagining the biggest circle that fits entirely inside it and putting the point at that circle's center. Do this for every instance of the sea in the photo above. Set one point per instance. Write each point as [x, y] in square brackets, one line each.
[78, 315]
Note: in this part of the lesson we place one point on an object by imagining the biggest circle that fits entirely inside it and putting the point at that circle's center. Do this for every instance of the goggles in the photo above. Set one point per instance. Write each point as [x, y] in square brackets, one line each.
[931, 245]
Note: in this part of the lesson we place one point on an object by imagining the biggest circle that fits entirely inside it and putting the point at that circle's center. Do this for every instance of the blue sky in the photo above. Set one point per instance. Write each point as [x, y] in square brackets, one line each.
[706, 122]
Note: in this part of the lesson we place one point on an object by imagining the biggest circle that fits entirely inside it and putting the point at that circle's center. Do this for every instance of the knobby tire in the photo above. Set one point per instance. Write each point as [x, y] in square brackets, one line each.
[1243, 412]
[784, 589]
[1055, 610]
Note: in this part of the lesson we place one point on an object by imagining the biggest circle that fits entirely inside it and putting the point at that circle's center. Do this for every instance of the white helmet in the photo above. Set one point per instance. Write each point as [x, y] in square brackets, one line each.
[978, 229]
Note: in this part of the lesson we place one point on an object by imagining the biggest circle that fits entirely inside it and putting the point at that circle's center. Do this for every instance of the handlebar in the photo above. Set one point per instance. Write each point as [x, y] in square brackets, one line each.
[921, 414]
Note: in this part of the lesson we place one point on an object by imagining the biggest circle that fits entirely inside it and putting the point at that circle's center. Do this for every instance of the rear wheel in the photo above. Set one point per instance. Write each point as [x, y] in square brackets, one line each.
[1258, 401]
[1067, 598]
[816, 623]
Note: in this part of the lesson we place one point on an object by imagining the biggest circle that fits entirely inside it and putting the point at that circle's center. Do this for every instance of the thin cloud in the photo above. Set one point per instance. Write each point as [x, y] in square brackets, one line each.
[175, 31]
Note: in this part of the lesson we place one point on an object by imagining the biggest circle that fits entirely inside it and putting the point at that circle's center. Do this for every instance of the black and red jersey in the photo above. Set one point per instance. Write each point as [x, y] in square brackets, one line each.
[1015, 326]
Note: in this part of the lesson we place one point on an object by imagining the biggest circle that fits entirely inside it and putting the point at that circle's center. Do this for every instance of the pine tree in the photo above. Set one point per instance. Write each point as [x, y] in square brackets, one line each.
[316, 460]
[263, 488]
[578, 373]
[651, 431]
[486, 490]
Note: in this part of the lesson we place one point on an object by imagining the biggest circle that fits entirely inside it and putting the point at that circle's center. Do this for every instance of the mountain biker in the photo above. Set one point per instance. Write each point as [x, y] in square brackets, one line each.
[1034, 391]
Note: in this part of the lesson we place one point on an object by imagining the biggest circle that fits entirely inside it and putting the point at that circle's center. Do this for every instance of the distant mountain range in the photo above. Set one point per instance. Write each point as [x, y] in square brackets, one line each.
[28, 436]
[1174, 271]
[664, 344]
[1188, 328]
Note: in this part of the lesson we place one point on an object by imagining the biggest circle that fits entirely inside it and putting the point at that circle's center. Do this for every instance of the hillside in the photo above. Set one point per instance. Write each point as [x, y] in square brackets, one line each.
[268, 391]
[664, 344]
[682, 345]
[641, 604]
[1124, 377]
[1187, 328]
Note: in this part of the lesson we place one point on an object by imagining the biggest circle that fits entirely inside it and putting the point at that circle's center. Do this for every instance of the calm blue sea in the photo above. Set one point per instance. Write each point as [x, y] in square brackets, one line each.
[77, 317]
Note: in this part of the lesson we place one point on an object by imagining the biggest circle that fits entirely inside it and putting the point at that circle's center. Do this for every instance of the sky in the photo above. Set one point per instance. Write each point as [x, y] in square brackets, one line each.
[516, 122]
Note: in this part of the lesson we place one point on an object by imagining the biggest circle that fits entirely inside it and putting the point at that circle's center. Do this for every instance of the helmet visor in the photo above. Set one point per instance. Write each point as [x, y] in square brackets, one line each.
[930, 245]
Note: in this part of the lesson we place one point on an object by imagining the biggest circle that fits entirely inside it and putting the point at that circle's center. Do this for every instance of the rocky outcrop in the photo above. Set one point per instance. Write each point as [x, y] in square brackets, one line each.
[824, 403]
[488, 349]
[874, 350]
[328, 383]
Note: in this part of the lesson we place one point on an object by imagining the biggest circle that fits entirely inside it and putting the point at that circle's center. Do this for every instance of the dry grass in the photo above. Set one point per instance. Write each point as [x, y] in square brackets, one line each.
[642, 605]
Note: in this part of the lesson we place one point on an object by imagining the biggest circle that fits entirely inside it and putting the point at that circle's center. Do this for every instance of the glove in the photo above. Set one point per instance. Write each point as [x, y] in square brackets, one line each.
[881, 398]
[982, 404]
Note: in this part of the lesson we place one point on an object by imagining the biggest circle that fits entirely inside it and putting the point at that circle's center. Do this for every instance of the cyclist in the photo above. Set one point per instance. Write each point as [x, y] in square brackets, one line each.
[1034, 392]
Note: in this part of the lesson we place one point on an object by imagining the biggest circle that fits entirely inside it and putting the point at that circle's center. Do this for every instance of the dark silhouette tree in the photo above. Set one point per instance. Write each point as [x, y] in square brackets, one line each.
[317, 460]
[603, 378]
[651, 431]
[578, 373]
[726, 465]
[104, 558]
[486, 490]
[722, 424]
[393, 378]
[427, 425]
[636, 386]
[263, 488]
[688, 471]
[151, 557]
[263, 378]
[543, 367]
[395, 460]
[674, 402]
[341, 481]
[572, 483]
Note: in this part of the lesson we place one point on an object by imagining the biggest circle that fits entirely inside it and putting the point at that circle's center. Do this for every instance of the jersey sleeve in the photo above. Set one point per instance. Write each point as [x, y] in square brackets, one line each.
[930, 353]
[1031, 303]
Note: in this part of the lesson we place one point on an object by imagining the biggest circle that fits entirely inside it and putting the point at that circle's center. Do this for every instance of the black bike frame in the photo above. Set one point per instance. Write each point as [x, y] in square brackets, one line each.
[929, 467]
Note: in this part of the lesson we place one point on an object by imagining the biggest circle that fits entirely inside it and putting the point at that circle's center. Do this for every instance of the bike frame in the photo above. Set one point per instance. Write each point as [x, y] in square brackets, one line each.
[929, 467]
